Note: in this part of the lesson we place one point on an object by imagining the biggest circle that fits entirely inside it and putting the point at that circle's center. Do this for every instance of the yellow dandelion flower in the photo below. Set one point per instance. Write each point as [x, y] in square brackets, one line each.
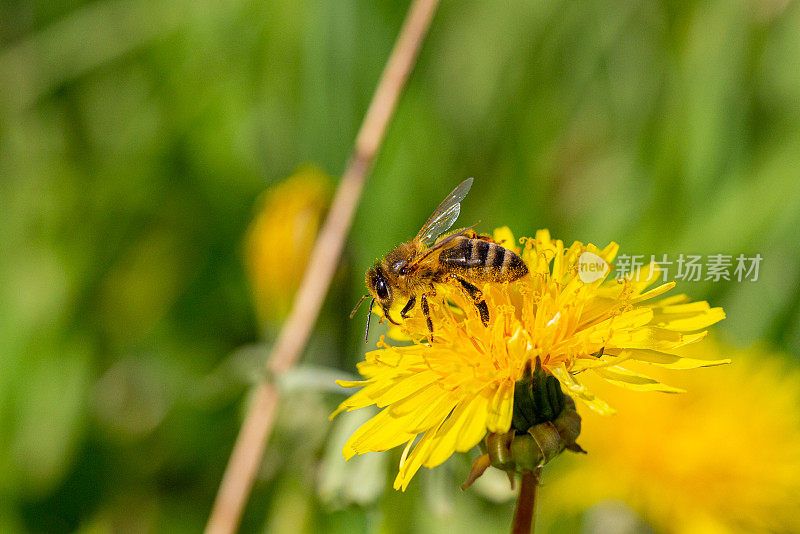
[725, 457]
[444, 396]
[279, 239]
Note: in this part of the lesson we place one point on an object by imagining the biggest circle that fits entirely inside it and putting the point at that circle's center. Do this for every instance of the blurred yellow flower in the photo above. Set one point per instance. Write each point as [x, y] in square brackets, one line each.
[455, 389]
[725, 457]
[280, 238]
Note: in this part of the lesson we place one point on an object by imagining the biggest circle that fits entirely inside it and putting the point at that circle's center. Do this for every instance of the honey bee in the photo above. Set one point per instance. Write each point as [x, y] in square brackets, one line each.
[413, 269]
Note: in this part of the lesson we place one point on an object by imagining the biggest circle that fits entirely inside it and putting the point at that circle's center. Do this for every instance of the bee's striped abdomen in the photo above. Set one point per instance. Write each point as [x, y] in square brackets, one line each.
[484, 261]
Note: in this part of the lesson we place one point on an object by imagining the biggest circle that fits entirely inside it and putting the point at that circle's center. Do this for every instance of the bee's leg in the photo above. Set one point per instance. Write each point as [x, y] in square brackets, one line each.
[408, 307]
[388, 316]
[423, 301]
[477, 298]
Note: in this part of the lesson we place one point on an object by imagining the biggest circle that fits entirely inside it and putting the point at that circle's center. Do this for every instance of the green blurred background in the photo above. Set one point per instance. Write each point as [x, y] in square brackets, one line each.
[136, 137]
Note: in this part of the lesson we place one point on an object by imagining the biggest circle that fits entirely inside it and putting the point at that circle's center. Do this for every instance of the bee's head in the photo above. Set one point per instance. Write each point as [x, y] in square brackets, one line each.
[378, 286]
[380, 290]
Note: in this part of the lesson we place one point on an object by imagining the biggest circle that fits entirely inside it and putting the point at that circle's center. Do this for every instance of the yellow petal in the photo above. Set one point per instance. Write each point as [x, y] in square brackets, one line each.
[650, 338]
[501, 408]
[361, 399]
[424, 398]
[428, 417]
[674, 299]
[643, 277]
[610, 252]
[670, 361]
[656, 291]
[380, 433]
[406, 386]
[683, 319]
[578, 390]
[628, 379]
[414, 461]
[505, 237]
[352, 383]
[466, 422]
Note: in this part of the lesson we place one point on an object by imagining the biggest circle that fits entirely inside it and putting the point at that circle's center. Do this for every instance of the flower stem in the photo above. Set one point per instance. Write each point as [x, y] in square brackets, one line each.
[526, 503]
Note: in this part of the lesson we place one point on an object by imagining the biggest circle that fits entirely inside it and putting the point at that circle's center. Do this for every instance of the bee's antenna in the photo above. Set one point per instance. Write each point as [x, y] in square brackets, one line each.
[358, 305]
[369, 315]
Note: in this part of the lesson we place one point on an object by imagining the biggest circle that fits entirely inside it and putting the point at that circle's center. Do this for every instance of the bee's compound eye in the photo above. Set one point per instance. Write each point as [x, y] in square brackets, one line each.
[381, 289]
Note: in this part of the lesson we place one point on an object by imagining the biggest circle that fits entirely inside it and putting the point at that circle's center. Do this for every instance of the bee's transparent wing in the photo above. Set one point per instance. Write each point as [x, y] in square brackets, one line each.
[439, 245]
[445, 215]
